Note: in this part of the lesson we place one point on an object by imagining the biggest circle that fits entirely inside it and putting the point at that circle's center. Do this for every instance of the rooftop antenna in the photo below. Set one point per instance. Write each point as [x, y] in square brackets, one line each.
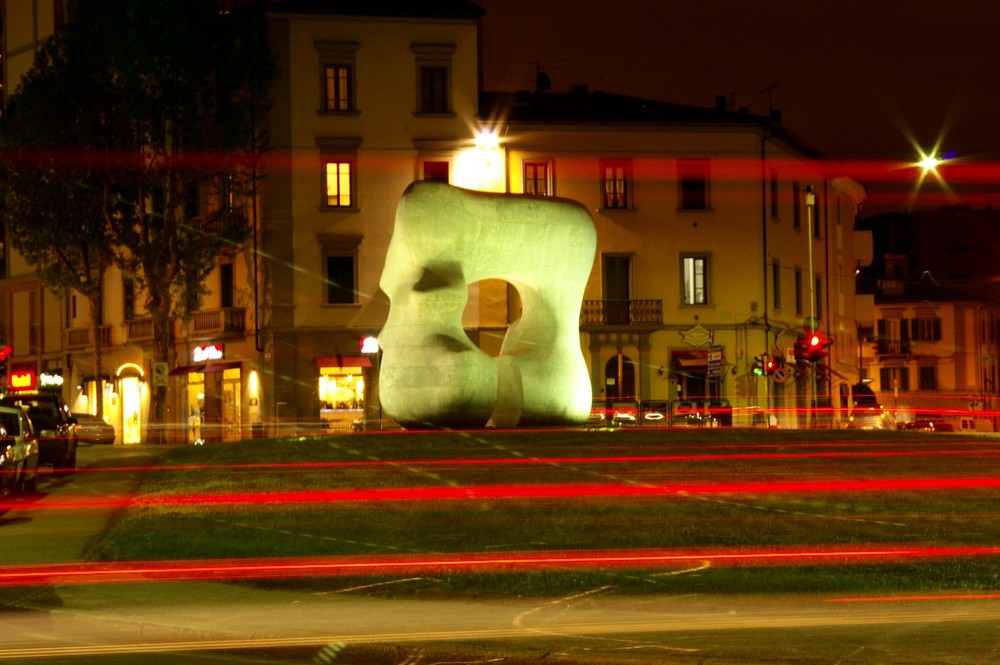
[769, 90]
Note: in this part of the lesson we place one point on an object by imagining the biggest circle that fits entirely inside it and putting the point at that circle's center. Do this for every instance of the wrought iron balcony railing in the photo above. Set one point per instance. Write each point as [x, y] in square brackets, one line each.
[621, 313]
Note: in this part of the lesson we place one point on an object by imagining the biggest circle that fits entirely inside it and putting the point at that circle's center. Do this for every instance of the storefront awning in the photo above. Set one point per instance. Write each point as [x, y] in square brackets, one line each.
[186, 369]
[218, 367]
[693, 358]
[343, 361]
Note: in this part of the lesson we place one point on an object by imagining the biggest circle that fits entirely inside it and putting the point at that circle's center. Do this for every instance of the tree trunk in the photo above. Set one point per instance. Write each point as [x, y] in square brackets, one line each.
[95, 331]
[163, 345]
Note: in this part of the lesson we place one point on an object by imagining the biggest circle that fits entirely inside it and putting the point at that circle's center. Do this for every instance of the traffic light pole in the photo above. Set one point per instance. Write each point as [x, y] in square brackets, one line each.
[810, 205]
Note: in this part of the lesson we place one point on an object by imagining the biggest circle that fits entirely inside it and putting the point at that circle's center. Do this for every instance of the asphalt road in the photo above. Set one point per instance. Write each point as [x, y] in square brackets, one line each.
[182, 622]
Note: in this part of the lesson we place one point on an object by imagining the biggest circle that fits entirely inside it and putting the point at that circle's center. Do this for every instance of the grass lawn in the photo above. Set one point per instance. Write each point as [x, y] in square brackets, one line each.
[611, 493]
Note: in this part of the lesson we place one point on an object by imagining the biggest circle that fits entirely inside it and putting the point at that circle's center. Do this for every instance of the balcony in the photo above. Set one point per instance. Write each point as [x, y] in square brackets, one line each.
[140, 330]
[214, 322]
[204, 324]
[893, 347]
[630, 313]
[80, 338]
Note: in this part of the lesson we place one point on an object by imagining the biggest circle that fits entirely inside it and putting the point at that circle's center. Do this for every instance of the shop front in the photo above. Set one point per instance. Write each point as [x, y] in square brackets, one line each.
[212, 390]
[341, 391]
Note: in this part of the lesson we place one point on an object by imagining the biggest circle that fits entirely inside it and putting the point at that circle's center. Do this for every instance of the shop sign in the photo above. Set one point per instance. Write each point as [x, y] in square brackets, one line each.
[22, 379]
[208, 352]
[369, 344]
[50, 380]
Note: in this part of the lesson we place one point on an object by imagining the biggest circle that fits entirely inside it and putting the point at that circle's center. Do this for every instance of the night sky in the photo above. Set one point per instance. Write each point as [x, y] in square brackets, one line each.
[859, 79]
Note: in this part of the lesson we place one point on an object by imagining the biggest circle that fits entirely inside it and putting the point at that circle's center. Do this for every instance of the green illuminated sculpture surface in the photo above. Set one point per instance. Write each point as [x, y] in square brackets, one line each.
[446, 238]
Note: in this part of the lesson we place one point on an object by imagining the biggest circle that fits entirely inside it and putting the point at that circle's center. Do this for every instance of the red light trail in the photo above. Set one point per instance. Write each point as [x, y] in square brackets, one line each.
[606, 459]
[475, 563]
[510, 491]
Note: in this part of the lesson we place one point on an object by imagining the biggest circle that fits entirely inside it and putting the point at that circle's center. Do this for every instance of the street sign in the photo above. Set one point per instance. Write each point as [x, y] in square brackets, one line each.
[780, 375]
[160, 371]
[714, 362]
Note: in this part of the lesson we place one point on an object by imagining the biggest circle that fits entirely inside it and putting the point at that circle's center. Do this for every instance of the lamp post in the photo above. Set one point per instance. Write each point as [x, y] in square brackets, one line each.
[810, 205]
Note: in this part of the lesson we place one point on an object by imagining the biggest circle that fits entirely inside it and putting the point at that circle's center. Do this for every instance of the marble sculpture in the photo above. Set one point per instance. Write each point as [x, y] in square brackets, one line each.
[446, 238]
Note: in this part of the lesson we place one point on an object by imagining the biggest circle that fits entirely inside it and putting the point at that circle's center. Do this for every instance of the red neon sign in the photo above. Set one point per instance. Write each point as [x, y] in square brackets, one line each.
[22, 380]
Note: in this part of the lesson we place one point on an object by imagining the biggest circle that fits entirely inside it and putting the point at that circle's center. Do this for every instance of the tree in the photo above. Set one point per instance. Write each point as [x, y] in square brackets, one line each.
[58, 186]
[170, 136]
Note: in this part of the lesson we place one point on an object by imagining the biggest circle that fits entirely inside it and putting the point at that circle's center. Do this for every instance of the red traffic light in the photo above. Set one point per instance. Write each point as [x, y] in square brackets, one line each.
[770, 364]
[815, 347]
[5, 352]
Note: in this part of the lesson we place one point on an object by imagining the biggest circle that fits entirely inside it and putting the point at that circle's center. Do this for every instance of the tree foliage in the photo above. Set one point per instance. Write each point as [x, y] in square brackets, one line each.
[134, 140]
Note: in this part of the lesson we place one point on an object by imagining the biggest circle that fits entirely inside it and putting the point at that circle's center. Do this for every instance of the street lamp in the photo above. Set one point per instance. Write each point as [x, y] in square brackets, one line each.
[810, 205]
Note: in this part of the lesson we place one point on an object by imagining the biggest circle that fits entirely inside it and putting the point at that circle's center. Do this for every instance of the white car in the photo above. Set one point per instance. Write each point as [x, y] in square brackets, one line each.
[19, 446]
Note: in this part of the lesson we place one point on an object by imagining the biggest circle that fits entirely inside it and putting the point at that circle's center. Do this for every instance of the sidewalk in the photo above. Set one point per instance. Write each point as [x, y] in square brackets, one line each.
[35, 532]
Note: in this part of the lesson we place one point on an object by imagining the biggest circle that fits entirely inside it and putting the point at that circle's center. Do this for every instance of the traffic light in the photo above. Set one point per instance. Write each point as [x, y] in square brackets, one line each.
[770, 364]
[758, 366]
[813, 346]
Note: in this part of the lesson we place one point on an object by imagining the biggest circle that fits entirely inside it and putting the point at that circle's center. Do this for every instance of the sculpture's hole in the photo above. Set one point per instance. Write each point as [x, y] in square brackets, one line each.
[492, 306]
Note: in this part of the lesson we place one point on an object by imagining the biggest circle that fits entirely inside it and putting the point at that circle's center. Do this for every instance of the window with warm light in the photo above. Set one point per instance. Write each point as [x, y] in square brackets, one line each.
[538, 177]
[340, 174]
[339, 187]
[616, 184]
[694, 280]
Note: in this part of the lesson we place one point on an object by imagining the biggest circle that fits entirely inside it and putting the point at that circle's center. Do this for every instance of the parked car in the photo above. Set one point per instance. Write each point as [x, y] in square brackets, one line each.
[19, 451]
[91, 429]
[54, 427]
[927, 425]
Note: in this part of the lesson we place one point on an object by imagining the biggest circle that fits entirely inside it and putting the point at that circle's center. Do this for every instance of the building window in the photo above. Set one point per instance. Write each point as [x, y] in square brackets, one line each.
[128, 298]
[694, 280]
[814, 216]
[693, 176]
[340, 174]
[226, 285]
[337, 88]
[798, 291]
[894, 378]
[436, 171]
[796, 205]
[337, 67]
[928, 378]
[925, 329]
[538, 178]
[340, 268]
[339, 184]
[818, 296]
[433, 90]
[616, 184]
[433, 63]
[776, 283]
[340, 287]
[774, 194]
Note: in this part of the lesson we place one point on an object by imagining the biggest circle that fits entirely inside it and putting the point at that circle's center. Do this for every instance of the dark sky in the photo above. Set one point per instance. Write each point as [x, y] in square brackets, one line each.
[859, 79]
